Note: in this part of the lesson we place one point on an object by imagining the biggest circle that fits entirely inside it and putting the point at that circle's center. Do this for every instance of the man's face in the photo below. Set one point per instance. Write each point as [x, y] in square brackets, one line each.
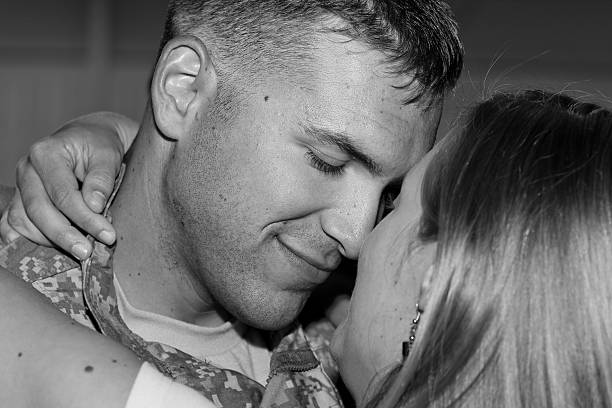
[269, 202]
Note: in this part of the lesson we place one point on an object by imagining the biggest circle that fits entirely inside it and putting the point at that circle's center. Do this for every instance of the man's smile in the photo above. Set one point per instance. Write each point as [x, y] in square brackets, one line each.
[315, 267]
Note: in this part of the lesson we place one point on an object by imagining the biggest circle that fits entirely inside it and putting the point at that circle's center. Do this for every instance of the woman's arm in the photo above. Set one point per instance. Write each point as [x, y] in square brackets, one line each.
[49, 360]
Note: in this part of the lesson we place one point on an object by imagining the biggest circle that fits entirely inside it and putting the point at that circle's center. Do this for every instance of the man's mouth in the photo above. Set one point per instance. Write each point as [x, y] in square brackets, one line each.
[323, 268]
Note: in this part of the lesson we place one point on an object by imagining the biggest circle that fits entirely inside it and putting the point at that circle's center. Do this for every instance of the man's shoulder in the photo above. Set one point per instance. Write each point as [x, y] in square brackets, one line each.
[33, 262]
[52, 273]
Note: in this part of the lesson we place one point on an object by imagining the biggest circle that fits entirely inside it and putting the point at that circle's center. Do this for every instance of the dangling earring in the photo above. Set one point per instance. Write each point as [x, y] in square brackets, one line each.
[406, 372]
[407, 345]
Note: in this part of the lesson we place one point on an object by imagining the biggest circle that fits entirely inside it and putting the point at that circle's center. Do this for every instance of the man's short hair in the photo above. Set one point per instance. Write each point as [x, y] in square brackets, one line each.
[418, 37]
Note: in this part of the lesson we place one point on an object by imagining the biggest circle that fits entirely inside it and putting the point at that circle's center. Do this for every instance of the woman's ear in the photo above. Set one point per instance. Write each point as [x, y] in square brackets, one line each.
[183, 87]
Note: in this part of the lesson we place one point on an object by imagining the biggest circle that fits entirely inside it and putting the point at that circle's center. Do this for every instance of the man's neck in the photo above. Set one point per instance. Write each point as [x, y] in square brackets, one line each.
[147, 262]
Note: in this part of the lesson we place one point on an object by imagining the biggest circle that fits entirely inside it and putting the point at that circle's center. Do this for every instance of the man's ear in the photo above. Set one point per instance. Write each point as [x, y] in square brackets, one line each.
[183, 87]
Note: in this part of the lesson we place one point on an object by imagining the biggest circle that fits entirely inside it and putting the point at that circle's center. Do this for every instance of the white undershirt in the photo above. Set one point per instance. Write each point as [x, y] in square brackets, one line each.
[231, 345]
[152, 389]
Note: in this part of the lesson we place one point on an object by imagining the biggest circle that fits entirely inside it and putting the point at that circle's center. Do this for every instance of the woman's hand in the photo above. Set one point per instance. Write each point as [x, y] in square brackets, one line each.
[64, 182]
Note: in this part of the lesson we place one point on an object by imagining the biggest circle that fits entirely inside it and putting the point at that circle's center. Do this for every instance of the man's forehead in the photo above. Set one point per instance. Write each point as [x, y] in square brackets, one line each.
[406, 142]
[352, 80]
[336, 57]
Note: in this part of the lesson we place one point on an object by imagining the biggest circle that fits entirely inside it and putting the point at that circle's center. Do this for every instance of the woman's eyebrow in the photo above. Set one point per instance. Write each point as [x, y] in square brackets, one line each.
[345, 143]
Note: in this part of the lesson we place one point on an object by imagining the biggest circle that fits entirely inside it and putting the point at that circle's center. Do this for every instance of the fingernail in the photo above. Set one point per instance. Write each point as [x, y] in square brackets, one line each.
[107, 237]
[98, 200]
[80, 250]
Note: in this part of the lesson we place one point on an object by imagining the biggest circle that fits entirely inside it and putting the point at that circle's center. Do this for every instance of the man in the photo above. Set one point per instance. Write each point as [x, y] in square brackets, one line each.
[272, 130]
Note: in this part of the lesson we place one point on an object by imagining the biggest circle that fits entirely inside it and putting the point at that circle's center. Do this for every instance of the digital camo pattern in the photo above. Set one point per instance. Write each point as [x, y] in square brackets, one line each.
[319, 335]
[51, 273]
[296, 380]
[296, 376]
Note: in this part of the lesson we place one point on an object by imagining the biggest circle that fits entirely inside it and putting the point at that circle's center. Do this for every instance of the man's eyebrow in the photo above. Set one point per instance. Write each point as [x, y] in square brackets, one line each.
[345, 143]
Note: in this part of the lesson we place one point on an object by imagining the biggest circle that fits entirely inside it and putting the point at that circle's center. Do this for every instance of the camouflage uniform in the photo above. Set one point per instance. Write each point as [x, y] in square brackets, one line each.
[86, 293]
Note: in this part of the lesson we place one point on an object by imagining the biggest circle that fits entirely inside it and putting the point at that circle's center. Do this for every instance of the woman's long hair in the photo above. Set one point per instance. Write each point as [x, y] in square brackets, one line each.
[520, 308]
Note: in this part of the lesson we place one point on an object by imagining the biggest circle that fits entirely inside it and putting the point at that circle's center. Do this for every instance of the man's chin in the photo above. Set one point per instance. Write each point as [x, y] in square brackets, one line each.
[275, 317]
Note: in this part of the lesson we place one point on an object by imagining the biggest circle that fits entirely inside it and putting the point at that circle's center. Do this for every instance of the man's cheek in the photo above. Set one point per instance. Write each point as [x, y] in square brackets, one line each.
[294, 189]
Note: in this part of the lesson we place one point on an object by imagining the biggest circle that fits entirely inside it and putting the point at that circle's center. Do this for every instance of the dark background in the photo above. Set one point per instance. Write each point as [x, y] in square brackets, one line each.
[63, 58]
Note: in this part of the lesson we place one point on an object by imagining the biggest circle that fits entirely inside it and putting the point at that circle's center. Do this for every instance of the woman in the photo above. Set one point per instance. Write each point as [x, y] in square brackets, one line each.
[498, 294]
[514, 252]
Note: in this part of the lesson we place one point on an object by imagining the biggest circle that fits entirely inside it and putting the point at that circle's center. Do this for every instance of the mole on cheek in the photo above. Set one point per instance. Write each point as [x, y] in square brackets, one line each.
[89, 369]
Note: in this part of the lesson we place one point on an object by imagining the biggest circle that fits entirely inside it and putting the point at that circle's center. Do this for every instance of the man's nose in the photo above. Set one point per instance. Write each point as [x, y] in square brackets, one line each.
[350, 222]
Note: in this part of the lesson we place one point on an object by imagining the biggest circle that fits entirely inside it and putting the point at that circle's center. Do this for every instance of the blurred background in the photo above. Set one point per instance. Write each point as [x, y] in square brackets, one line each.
[63, 58]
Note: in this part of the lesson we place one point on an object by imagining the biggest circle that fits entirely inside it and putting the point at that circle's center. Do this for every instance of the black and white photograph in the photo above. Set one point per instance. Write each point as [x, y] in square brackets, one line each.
[305, 204]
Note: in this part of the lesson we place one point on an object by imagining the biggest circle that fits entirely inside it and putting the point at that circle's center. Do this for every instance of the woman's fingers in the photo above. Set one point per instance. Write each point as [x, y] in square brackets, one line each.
[41, 219]
[15, 223]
